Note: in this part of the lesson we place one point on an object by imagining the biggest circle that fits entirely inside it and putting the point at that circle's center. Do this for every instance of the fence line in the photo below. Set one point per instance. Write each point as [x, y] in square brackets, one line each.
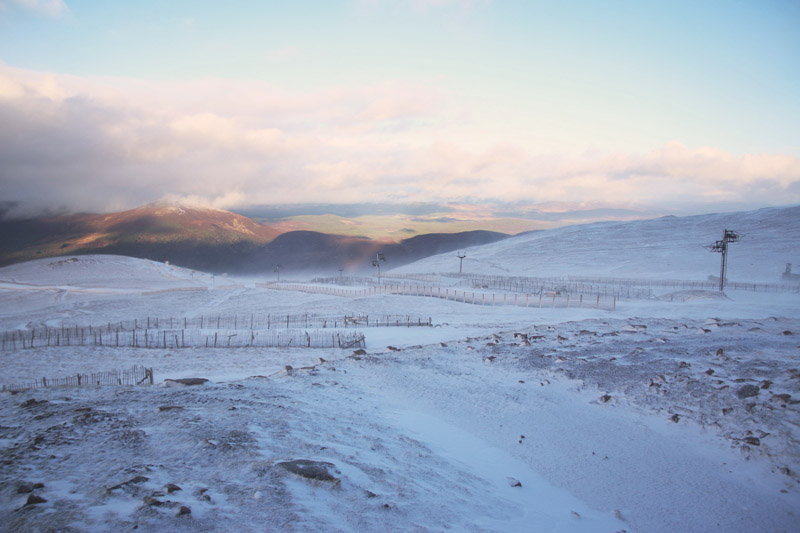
[138, 375]
[237, 322]
[621, 287]
[540, 299]
[181, 338]
[538, 286]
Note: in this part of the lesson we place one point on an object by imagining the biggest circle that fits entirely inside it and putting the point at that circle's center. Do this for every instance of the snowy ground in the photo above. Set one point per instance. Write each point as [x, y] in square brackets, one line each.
[659, 416]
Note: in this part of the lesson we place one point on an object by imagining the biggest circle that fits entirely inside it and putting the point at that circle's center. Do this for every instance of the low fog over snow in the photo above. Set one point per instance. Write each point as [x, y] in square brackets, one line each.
[672, 409]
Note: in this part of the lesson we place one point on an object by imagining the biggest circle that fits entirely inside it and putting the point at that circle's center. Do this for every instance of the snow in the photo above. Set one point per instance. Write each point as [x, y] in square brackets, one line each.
[669, 414]
[663, 248]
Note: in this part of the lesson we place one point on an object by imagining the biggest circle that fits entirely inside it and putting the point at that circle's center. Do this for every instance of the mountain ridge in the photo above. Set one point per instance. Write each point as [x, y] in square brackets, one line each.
[213, 240]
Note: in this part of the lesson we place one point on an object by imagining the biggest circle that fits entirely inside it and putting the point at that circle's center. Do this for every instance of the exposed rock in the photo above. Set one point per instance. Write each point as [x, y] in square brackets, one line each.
[172, 487]
[513, 482]
[152, 502]
[33, 499]
[313, 470]
[185, 381]
[184, 510]
[24, 489]
[132, 481]
[781, 399]
[169, 407]
[392, 349]
[675, 418]
[752, 441]
[33, 402]
[747, 391]
[605, 397]
[360, 351]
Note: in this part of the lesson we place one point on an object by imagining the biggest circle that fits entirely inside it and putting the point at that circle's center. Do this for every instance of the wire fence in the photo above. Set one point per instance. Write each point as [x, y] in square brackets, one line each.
[541, 286]
[241, 322]
[619, 287]
[180, 338]
[686, 284]
[138, 375]
[544, 299]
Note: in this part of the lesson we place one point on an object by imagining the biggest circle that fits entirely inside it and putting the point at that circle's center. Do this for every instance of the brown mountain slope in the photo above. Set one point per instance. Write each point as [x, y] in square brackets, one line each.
[154, 231]
[215, 241]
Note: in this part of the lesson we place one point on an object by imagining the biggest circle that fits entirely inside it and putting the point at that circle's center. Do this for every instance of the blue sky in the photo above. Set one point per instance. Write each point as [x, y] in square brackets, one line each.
[666, 106]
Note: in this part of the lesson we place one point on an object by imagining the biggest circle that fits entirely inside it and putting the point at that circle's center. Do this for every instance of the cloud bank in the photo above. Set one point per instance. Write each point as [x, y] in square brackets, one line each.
[95, 144]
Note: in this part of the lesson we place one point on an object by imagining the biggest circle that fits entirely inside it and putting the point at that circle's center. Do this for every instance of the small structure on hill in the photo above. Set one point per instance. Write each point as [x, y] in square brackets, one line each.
[788, 277]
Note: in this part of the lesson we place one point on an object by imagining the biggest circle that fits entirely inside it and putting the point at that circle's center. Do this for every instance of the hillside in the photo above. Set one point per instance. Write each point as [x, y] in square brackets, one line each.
[194, 236]
[499, 418]
[301, 252]
[662, 248]
[214, 240]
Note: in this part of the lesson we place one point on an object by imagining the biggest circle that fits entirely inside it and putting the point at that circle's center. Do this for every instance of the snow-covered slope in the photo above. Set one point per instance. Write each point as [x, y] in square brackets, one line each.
[657, 416]
[101, 271]
[663, 248]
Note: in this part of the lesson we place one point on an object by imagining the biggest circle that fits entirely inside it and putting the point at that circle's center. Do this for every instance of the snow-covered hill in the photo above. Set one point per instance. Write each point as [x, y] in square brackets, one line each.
[663, 248]
[113, 272]
[659, 415]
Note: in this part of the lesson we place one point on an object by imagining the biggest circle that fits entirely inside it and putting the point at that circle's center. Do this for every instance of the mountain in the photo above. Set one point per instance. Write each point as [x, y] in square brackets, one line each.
[310, 251]
[193, 236]
[214, 240]
[662, 248]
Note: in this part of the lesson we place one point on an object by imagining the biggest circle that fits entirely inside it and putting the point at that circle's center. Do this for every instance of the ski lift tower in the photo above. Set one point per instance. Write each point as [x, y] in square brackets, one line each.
[461, 256]
[377, 263]
[721, 247]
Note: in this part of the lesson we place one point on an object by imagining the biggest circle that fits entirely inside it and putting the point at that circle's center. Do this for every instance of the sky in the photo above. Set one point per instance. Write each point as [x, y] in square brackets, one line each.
[671, 107]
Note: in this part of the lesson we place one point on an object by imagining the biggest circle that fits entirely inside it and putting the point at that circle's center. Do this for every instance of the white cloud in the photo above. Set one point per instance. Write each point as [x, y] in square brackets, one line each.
[99, 144]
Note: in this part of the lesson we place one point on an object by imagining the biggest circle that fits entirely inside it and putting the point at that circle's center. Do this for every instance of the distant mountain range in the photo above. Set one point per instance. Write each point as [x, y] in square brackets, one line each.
[216, 241]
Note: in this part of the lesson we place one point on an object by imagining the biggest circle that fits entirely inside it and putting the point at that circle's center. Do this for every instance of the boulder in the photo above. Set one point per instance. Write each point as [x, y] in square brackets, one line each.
[185, 381]
[308, 469]
[747, 391]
